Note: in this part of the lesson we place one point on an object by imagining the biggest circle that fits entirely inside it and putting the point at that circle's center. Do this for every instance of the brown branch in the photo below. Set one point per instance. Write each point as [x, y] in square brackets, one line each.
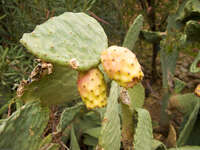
[98, 18]
[143, 5]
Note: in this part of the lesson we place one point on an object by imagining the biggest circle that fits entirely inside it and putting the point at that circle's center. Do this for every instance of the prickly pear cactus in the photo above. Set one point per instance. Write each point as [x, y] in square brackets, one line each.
[192, 30]
[121, 65]
[69, 41]
[55, 88]
[24, 128]
[152, 37]
[190, 11]
[110, 132]
[92, 88]
[133, 33]
[143, 137]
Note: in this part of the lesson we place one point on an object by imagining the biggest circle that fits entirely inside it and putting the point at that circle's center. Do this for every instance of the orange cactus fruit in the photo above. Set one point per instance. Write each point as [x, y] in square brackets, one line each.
[92, 88]
[197, 90]
[121, 65]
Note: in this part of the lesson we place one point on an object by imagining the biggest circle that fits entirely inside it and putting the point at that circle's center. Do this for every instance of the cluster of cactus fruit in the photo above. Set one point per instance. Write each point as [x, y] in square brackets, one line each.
[120, 64]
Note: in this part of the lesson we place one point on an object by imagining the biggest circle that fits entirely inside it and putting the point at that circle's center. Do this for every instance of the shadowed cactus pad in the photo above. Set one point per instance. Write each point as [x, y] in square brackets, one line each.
[92, 88]
[121, 65]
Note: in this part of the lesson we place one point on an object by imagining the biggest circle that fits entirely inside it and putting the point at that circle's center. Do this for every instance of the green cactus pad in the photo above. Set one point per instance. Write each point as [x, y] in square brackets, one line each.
[24, 128]
[56, 88]
[69, 38]
[110, 132]
[137, 96]
[188, 127]
[143, 129]
[192, 30]
[186, 148]
[184, 103]
[133, 33]
[190, 11]
[74, 142]
[152, 37]
[68, 115]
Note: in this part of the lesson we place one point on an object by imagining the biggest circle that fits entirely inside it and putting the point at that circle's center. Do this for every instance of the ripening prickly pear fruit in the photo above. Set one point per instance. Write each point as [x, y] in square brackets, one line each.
[92, 88]
[197, 90]
[121, 65]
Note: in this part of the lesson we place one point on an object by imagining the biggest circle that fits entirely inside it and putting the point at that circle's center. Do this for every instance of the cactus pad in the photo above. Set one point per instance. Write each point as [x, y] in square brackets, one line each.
[24, 128]
[92, 88]
[121, 65]
[55, 88]
[71, 39]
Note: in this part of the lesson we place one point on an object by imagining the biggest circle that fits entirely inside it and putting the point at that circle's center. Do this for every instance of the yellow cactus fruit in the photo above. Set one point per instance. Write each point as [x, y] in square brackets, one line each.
[197, 90]
[92, 88]
[121, 65]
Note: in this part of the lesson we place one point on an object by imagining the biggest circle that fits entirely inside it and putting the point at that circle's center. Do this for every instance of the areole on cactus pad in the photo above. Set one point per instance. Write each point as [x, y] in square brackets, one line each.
[121, 65]
[92, 88]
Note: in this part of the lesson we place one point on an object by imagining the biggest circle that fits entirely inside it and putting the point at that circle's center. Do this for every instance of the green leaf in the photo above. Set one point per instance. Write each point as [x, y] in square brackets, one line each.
[110, 133]
[179, 85]
[56, 88]
[185, 103]
[89, 140]
[194, 136]
[185, 133]
[85, 121]
[186, 148]
[47, 140]
[133, 33]
[190, 11]
[24, 128]
[152, 37]
[143, 136]
[128, 125]
[168, 63]
[137, 96]
[94, 132]
[192, 30]
[70, 36]
[194, 68]
[73, 142]
[68, 115]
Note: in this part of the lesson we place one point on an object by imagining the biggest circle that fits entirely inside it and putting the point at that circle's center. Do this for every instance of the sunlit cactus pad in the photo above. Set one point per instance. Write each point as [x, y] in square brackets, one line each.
[69, 39]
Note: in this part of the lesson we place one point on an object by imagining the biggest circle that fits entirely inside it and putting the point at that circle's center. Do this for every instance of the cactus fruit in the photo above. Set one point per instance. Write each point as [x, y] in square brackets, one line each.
[197, 90]
[121, 65]
[92, 88]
